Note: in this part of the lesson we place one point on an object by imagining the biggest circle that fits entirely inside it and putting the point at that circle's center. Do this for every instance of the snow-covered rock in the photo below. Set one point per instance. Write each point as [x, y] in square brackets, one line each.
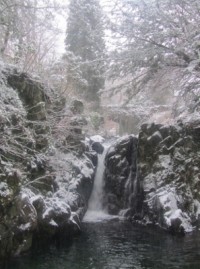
[157, 178]
[96, 142]
[97, 138]
[168, 172]
[44, 186]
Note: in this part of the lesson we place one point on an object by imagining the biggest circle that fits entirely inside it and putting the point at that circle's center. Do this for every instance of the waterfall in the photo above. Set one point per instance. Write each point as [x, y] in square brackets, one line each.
[95, 210]
[95, 201]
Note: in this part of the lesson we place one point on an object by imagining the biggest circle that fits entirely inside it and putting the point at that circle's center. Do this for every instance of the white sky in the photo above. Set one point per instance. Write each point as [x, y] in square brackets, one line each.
[61, 21]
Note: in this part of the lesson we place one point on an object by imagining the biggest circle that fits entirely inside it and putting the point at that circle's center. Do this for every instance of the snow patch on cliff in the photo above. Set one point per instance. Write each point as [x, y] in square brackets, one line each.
[169, 202]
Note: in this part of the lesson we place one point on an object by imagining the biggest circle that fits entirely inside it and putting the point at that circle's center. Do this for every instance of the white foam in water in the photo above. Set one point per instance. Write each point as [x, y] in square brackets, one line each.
[98, 216]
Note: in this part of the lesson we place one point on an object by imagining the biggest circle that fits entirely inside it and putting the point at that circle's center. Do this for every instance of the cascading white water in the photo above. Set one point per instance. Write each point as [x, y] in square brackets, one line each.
[95, 210]
[95, 202]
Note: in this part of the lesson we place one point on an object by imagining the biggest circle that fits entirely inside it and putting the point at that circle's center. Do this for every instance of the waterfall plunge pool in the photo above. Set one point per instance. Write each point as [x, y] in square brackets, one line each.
[116, 245]
[108, 242]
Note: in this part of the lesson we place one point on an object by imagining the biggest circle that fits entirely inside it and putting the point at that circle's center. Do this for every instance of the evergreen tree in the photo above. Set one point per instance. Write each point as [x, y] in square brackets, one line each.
[84, 40]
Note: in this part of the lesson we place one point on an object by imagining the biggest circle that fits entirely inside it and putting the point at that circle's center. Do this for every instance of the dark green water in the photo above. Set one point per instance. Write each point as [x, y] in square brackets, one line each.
[115, 245]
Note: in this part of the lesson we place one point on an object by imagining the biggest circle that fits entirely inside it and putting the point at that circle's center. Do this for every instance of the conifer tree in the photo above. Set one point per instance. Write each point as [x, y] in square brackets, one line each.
[85, 47]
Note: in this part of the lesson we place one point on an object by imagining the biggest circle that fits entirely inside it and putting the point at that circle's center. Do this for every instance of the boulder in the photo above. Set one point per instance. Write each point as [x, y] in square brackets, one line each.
[98, 147]
[96, 143]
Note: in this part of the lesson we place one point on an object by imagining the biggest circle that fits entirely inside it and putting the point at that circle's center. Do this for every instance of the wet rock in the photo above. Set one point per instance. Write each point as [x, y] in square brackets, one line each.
[92, 155]
[168, 141]
[155, 139]
[96, 143]
[120, 173]
[98, 147]
[175, 227]
[112, 204]
[157, 177]
[165, 131]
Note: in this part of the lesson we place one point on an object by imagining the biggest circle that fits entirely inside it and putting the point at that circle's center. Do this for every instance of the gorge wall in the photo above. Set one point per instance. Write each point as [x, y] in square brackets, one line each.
[155, 178]
[46, 172]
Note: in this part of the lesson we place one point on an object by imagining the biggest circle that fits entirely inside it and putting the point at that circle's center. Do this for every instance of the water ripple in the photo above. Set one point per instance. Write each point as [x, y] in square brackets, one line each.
[117, 245]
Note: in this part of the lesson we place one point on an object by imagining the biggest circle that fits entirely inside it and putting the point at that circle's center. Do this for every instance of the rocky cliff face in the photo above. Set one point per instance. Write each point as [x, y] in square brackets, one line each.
[45, 181]
[121, 174]
[163, 188]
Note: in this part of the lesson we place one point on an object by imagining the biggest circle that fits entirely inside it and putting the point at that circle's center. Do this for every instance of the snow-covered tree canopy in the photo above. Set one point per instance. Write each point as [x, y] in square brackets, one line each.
[153, 34]
[28, 31]
[85, 45]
